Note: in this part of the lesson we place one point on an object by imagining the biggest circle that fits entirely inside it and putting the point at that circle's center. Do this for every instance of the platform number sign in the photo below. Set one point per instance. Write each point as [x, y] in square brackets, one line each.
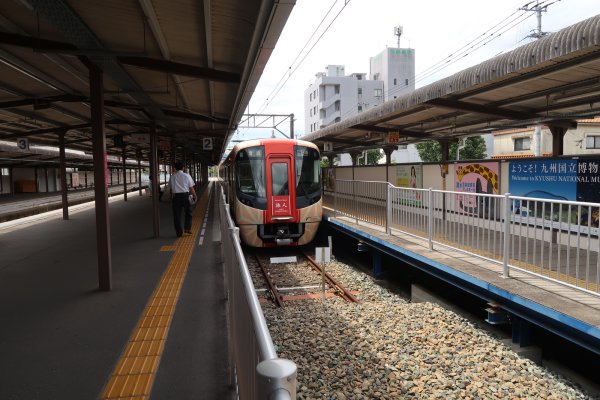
[393, 137]
[23, 144]
[207, 144]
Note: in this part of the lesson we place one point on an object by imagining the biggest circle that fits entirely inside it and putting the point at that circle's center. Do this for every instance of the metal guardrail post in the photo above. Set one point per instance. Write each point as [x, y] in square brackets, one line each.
[335, 198]
[430, 215]
[355, 210]
[388, 214]
[506, 235]
[276, 379]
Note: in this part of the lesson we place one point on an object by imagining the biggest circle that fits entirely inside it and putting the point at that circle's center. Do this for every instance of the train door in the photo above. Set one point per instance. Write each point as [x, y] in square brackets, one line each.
[282, 200]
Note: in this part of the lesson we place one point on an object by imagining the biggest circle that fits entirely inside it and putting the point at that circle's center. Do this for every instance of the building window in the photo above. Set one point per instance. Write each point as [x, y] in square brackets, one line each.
[592, 142]
[337, 89]
[523, 143]
[406, 82]
[359, 77]
[337, 106]
[378, 93]
[359, 91]
[394, 81]
[359, 108]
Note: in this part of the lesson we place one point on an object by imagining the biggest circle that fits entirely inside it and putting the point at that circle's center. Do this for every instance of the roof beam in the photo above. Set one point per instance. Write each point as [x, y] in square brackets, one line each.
[381, 129]
[155, 27]
[155, 64]
[194, 116]
[41, 102]
[181, 69]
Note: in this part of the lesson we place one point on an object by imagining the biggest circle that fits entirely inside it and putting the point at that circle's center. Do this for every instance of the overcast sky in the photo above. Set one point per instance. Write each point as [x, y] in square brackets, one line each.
[436, 29]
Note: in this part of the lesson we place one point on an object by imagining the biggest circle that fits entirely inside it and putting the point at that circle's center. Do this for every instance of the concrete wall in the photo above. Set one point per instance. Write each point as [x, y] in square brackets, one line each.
[432, 174]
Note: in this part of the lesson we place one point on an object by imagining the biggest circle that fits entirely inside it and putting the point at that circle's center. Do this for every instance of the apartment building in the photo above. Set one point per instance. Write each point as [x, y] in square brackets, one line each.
[334, 96]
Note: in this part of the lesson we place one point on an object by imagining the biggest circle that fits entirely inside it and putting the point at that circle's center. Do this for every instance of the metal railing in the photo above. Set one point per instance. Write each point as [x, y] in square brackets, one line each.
[553, 239]
[259, 374]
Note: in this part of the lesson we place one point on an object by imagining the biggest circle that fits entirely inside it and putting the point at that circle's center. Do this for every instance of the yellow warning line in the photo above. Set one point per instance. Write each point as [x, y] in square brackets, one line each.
[134, 374]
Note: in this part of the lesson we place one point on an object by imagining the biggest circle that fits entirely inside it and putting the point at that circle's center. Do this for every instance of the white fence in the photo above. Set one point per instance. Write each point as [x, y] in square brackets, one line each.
[557, 240]
[259, 374]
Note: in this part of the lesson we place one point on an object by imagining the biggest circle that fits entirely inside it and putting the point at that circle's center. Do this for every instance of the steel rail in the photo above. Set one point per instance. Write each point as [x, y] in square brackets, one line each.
[277, 297]
[344, 293]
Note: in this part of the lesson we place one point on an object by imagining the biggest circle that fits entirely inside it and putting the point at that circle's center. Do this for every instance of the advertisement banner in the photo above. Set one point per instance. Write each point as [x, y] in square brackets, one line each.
[475, 178]
[562, 180]
[546, 179]
[410, 176]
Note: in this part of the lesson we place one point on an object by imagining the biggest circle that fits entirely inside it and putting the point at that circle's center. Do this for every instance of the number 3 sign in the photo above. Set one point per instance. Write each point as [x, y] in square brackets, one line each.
[23, 144]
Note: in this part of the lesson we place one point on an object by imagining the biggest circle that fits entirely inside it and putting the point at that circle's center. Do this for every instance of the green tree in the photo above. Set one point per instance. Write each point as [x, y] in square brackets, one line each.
[432, 151]
[325, 162]
[373, 157]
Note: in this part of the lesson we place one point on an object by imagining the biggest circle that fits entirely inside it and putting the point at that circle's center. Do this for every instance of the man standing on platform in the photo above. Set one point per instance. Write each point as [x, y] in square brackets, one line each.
[182, 185]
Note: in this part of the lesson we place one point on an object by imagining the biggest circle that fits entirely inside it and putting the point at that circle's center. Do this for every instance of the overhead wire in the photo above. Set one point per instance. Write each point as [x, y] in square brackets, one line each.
[498, 30]
[288, 74]
[503, 26]
[486, 37]
[457, 58]
[297, 56]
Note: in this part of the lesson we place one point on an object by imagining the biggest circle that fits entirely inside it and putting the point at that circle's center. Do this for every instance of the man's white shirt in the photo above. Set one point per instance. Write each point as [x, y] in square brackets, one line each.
[181, 182]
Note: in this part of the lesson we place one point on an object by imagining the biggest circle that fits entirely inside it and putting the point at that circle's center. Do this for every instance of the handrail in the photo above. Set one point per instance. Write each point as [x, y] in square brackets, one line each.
[553, 239]
[260, 374]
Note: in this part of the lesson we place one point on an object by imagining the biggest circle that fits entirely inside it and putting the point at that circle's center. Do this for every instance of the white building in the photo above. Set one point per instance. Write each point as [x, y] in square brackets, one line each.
[334, 96]
[537, 141]
[396, 69]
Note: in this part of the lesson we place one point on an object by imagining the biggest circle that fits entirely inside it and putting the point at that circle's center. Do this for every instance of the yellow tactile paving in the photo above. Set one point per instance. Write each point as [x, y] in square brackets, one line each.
[134, 374]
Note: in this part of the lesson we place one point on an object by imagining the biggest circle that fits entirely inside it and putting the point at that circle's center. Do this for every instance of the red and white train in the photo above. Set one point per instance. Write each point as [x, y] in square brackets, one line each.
[273, 187]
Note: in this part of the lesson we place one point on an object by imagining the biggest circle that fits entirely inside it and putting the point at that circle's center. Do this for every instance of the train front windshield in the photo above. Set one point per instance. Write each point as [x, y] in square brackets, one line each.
[308, 175]
[250, 172]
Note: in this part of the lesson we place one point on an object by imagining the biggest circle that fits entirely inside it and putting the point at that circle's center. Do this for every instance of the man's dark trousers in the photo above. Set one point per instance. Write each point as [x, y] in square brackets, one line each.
[181, 202]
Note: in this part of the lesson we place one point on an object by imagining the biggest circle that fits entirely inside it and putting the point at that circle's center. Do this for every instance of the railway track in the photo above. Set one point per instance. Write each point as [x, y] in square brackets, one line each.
[295, 277]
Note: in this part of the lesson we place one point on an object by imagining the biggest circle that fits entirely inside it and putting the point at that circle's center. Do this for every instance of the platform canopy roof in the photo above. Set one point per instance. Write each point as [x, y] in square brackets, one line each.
[553, 81]
[185, 69]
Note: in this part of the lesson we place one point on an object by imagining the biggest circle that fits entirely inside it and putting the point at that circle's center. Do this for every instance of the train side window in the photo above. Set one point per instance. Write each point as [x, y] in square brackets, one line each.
[279, 176]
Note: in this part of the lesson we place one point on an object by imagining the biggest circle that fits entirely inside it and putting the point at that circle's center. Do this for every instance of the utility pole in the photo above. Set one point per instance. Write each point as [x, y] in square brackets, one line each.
[536, 34]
